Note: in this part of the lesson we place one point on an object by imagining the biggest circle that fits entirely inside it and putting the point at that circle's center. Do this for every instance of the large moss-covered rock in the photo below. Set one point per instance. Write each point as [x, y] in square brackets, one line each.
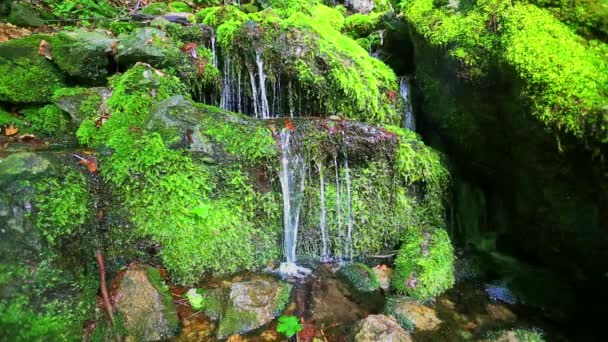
[406, 310]
[25, 75]
[82, 103]
[83, 54]
[22, 14]
[145, 304]
[147, 45]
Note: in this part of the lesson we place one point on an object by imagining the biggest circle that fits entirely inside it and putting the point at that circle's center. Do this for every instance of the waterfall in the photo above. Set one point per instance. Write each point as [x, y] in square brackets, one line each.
[293, 169]
[226, 100]
[254, 93]
[409, 121]
[338, 197]
[323, 215]
[213, 50]
[349, 213]
[264, 110]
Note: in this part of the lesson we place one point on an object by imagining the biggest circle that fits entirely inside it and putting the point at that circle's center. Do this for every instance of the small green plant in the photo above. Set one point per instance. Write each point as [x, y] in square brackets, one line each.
[196, 297]
[289, 325]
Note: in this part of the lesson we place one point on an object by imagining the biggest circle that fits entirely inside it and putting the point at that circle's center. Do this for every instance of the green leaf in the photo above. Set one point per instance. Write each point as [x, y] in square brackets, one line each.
[289, 325]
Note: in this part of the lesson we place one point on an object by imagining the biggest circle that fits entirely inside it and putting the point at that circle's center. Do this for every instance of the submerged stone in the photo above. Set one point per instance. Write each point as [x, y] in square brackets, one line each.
[380, 328]
[421, 316]
[146, 305]
[252, 304]
[83, 54]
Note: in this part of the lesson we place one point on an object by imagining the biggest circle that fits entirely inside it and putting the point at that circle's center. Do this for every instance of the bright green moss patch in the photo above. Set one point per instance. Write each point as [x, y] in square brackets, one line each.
[26, 76]
[425, 264]
[235, 320]
[49, 121]
[170, 197]
[62, 205]
[169, 308]
[568, 99]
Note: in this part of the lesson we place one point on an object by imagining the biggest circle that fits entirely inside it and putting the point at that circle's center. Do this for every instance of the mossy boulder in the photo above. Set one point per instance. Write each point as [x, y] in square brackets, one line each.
[83, 54]
[361, 277]
[411, 314]
[252, 304]
[425, 264]
[26, 165]
[146, 305]
[157, 8]
[25, 75]
[22, 14]
[514, 335]
[147, 45]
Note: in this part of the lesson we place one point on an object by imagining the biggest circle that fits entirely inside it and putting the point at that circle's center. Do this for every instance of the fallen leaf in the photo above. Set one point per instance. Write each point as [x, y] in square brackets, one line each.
[44, 49]
[91, 164]
[289, 125]
[11, 130]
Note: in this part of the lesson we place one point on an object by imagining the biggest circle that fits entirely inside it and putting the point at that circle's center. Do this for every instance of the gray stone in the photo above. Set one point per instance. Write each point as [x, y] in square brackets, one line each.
[22, 14]
[147, 45]
[72, 103]
[147, 315]
[380, 328]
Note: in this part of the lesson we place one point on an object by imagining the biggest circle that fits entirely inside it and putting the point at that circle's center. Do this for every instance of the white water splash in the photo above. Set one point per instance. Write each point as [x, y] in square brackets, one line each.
[264, 110]
[409, 121]
[323, 215]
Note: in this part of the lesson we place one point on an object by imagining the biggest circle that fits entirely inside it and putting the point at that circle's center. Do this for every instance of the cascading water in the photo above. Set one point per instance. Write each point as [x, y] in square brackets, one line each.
[409, 121]
[254, 93]
[293, 169]
[213, 50]
[323, 215]
[349, 213]
[264, 110]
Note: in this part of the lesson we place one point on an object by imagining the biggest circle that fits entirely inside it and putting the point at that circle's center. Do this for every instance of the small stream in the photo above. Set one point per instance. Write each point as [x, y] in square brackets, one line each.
[329, 309]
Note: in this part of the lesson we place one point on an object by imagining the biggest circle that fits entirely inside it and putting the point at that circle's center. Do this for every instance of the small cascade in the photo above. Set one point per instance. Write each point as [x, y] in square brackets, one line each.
[409, 121]
[264, 110]
[349, 214]
[293, 172]
[254, 94]
[338, 198]
[213, 50]
[323, 215]
[226, 91]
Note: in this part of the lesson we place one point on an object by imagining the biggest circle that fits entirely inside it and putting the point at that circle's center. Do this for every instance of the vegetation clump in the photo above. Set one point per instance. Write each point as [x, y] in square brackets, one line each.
[361, 277]
[424, 267]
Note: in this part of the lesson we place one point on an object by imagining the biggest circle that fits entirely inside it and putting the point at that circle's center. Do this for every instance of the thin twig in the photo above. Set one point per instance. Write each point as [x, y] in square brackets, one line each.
[196, 313]
[104, 289]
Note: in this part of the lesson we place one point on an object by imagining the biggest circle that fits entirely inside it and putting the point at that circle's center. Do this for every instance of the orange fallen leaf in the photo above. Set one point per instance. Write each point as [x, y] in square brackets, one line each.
[91, 165]
[200, 68]
[11, 130]
[44, 49]
[289, 125]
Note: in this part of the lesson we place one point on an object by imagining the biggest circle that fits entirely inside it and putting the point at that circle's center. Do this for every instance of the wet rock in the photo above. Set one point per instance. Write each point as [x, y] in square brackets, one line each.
[145, 305]
[380, 328]
[515, 335]
[252, 304]
[360, 6]
[80, 102]
[22, 14]
[421, 316]
[24, 166]
[147, 45]
[499, 312]
[83, 54]
[384, 274]
[360, 276]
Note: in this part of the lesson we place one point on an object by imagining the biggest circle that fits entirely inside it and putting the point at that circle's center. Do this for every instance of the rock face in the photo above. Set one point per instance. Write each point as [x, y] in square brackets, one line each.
[380, 328]
[423, 317]
[252, 304]
[143, 304]
[77, 103]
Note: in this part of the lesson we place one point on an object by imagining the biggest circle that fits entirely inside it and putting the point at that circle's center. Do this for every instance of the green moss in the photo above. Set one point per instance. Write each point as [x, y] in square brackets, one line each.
[335, 74]
[49, 121]
[361, 277]
[178, 6]
[26, 76]
[62, 205]
[537, 45]
[404, 321]
[170, 197]
[283, 300]
[259, 144]
[83, 54]
[424, 267]
[119, 27]
[157, 8]
[235, 320]
[362, 25]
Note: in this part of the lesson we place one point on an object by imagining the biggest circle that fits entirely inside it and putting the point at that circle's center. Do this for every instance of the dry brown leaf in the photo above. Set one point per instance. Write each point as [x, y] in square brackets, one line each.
[11, 130]
[44, 49]
[200, 68]
[90, 163]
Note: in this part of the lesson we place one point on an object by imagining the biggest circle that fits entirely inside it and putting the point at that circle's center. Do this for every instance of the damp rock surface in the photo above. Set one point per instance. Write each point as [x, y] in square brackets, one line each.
[380, 328]
[422, 317]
